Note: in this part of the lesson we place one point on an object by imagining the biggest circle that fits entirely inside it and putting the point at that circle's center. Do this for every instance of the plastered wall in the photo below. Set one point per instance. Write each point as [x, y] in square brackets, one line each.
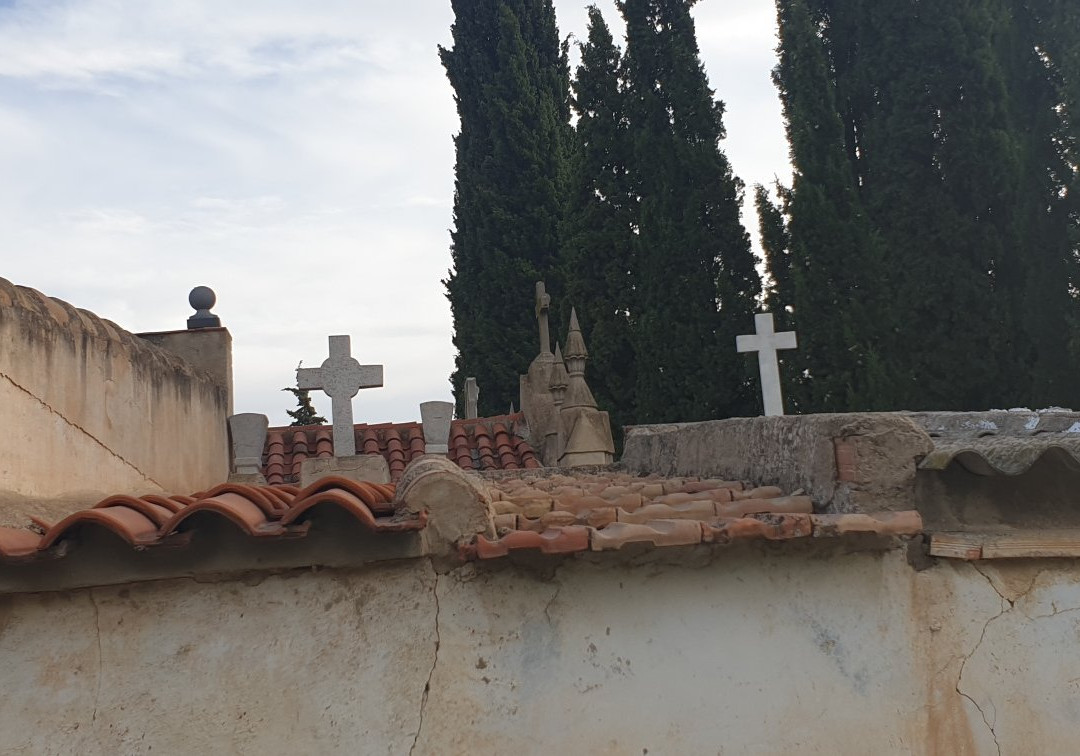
[746, 651]
[89, 409]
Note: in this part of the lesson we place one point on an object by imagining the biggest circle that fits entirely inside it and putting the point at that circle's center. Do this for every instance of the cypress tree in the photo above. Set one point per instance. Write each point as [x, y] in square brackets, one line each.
[694, 278]
[596, 261]
[511, 81]
[953, 136]
[829, 260]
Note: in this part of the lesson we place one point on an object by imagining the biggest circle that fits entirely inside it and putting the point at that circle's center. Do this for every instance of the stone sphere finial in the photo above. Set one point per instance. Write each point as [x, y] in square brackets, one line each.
[202, 298]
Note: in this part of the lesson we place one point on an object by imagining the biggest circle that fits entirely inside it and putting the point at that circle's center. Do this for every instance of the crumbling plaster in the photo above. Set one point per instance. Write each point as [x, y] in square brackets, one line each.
[846, 462]
[746, 650]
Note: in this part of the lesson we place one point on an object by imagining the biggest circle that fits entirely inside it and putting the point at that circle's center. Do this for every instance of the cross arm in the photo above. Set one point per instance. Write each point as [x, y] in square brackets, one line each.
[310, 378]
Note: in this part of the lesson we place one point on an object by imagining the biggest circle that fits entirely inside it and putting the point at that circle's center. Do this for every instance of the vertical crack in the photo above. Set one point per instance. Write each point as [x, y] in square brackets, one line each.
[100, 665]
[554, 596]
[431, 672]
[1006, 605]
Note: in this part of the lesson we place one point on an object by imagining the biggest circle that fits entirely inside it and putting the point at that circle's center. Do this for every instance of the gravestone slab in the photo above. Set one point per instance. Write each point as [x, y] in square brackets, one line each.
[436, 418]
[247, 435]
[472, 397]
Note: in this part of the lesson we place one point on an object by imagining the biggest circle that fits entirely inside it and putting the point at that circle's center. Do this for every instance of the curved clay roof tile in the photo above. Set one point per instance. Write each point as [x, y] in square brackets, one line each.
[270, 504]
[156, 513]
[131, 525]
[355, 506]
[237, 509]
[18, 544]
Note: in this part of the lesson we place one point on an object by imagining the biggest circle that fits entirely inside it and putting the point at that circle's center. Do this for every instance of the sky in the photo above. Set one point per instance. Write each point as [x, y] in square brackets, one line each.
[296, 157]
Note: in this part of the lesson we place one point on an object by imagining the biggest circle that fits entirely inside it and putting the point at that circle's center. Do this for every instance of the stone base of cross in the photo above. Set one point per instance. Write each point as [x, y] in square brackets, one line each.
[341, 377]
[766, 342]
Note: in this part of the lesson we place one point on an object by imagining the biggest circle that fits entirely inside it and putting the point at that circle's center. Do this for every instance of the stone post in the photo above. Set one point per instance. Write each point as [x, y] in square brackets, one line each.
[436, 418]
[247, 436]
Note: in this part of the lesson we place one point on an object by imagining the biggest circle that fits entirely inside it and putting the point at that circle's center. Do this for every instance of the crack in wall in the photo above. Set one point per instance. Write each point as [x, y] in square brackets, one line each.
[558, 589]
[77, 427]
[1006, 605]
[434, 663]
[100, 665]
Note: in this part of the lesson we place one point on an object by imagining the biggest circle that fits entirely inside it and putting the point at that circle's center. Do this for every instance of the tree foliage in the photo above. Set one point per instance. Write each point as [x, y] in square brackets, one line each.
[511, 81]
[305, 413]
[694, 278]
[929, 251]
[596, 252]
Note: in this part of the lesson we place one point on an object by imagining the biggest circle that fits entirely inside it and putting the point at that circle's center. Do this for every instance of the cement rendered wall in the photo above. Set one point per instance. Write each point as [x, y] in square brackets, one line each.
[89, 410]
[737, 652]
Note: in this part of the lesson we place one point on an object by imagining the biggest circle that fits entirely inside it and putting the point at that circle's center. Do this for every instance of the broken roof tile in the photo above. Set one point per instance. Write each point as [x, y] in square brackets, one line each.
[558, 540]
[712, 511]
[881, 523]
[654, 532]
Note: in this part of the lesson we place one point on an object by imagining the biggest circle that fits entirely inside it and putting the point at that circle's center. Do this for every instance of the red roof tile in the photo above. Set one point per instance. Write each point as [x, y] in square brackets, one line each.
[560, 514]
[260, 511]
[492, 443]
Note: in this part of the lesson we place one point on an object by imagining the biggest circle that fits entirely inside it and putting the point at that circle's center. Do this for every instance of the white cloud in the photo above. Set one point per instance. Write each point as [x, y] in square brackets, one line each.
[297, 157]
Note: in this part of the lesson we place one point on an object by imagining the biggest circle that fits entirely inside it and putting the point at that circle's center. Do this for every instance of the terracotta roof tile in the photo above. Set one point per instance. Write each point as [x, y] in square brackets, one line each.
[615, 509]
[17, 545]
[258, 511]
[497, 443]
[560, 540]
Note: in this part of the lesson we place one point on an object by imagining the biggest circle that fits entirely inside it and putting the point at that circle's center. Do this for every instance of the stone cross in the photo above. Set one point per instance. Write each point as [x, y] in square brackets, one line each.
[766, 342]
[341, 377]
[543, 304]
[472, 396]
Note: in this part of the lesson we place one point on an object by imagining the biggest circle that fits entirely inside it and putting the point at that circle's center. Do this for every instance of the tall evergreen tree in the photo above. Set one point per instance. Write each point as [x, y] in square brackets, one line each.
[694, 280]
[596, 251]
[952, 138]
[830, 260]
[511, 81]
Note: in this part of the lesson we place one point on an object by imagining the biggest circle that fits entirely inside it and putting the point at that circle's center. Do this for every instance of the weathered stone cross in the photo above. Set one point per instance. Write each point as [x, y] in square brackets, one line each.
[543, 304]
[766, 342]
[341, 377]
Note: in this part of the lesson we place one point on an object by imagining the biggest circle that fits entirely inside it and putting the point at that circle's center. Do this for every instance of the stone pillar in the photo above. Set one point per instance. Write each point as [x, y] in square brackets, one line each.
[204, 344]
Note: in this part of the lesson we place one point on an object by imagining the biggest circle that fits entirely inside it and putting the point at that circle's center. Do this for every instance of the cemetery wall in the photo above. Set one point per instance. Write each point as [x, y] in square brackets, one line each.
[91, 410]
[751, 650]
[844, 462]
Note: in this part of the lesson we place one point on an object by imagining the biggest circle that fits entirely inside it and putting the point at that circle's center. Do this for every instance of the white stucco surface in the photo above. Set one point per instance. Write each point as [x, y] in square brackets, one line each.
[734, 652]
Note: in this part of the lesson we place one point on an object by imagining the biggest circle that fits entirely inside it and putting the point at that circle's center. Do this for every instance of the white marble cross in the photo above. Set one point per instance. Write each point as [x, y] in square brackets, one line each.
[766, 341]
[341, 377]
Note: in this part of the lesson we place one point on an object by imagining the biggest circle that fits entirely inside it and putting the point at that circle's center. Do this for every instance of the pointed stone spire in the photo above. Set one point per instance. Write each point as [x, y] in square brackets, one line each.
[559, 377]
[575, 353]
[577, 392]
